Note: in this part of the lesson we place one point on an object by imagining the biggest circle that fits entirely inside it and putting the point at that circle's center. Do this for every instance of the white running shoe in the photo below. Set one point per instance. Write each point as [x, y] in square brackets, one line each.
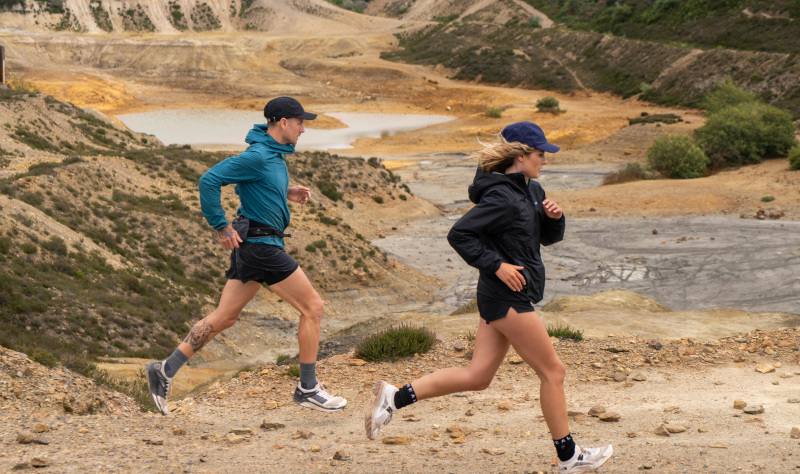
[318, 398]
[585, 459]
[382, 408]
[160, 385]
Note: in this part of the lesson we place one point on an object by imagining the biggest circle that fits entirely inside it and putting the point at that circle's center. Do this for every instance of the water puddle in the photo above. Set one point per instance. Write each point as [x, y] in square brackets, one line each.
[229, 127]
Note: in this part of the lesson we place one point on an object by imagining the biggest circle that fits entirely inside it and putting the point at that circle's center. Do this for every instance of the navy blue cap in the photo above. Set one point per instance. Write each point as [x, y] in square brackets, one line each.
[285, 107]
[528, 133]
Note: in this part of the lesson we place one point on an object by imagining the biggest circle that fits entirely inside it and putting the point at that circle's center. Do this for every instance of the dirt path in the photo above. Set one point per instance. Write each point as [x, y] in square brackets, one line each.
[644, 387]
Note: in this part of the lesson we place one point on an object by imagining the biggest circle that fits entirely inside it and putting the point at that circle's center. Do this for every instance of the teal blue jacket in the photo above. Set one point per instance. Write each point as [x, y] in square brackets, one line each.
[261, 180]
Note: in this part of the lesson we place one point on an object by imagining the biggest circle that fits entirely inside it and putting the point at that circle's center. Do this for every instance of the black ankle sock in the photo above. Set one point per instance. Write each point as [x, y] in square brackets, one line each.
[565, 447]
[404, 397]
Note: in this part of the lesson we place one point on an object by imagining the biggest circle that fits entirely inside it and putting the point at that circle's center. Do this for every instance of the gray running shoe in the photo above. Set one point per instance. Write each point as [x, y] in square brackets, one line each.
[382, 408]
[585, 459]
[160, 385]
[318, 398]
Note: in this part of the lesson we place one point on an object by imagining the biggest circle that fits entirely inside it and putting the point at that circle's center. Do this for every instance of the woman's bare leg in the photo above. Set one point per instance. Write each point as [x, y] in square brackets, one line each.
[488, 352]
[528, 335]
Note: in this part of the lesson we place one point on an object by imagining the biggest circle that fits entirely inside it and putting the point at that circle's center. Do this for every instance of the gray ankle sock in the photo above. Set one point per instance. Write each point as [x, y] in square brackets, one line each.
[308, 375]
[174, 362]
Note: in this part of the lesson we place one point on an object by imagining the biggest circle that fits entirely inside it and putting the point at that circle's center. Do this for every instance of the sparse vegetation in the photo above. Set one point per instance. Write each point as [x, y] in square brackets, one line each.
[395, 343]
[564, 331]
[704, 24]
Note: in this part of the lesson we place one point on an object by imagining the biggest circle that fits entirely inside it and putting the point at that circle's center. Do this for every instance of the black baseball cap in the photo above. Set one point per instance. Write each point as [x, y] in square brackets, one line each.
[285, 107]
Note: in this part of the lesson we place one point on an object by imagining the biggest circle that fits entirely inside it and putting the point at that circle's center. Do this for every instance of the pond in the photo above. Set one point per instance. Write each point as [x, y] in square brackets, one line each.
[229, 127]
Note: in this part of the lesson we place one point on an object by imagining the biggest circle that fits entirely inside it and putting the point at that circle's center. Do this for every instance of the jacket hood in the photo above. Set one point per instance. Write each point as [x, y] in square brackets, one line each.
[259, 135]
[484, 181]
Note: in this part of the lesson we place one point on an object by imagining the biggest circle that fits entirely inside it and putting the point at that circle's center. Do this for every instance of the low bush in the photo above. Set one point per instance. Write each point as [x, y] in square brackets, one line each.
[548, 104]
[629, 172]
[794, 158]
[746, 133]
[564, 331]
[655, 118]
[494, 112]
[395, 343]
[677, 157]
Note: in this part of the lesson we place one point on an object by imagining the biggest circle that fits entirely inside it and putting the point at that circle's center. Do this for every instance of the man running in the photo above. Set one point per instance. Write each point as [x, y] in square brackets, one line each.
[255, 239]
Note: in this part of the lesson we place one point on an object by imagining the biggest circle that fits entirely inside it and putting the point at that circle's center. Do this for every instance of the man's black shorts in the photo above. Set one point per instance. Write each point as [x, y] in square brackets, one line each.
[260, 262]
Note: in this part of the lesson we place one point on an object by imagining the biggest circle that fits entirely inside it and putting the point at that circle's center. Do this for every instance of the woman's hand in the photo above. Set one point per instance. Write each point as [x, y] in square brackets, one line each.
[299, 194]
[229, 238]
[511, 275]
[551, 209]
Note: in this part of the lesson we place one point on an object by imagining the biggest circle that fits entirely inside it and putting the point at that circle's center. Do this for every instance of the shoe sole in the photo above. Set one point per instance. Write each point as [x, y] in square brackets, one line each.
[606, 457]
[372, 431]
[317, 407]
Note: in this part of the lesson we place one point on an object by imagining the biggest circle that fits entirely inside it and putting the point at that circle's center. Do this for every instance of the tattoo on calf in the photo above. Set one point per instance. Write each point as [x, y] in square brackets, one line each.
[199, 335]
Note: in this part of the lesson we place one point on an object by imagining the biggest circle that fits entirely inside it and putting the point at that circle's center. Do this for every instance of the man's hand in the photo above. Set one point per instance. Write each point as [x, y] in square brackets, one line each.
[299, 194]
[229, 238]
[551, 209]
[511, 275]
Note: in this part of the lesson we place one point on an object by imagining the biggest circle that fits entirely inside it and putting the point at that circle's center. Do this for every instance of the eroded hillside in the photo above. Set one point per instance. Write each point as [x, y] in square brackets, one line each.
[105, 251]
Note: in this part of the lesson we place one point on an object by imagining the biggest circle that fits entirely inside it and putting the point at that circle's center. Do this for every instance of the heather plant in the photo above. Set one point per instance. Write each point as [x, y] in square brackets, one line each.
[395, 343]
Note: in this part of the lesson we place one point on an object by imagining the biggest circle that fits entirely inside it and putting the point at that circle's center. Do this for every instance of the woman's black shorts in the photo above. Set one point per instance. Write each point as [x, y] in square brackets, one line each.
[492, 309]
[260, 262]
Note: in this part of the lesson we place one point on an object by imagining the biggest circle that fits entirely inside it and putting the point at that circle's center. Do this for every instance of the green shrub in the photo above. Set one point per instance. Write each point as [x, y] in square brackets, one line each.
[378, 199]
[494, 112]
[727, 95]
[548, 104]
[329, 189]
[282, 358]
[676, 157]
[767, 198]
[564, 332]
[394, 343]
[794, 158]
[745, 133]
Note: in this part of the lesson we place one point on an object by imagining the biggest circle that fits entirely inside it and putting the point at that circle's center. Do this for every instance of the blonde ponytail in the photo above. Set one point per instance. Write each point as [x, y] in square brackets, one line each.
[500, 154]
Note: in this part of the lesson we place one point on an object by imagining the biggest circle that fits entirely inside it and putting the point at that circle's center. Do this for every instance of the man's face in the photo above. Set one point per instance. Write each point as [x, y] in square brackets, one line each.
[291, 129]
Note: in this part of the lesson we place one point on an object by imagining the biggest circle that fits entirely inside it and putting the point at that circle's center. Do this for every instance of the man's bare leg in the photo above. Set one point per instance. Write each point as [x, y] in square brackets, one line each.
[297, 291]
[234, 297]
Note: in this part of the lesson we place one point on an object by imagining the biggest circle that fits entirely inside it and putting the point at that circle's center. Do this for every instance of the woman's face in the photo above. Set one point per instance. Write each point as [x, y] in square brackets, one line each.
[532, 164]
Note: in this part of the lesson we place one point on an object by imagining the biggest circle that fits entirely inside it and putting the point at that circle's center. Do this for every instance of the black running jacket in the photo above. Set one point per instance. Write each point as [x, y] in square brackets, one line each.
[507, 225]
